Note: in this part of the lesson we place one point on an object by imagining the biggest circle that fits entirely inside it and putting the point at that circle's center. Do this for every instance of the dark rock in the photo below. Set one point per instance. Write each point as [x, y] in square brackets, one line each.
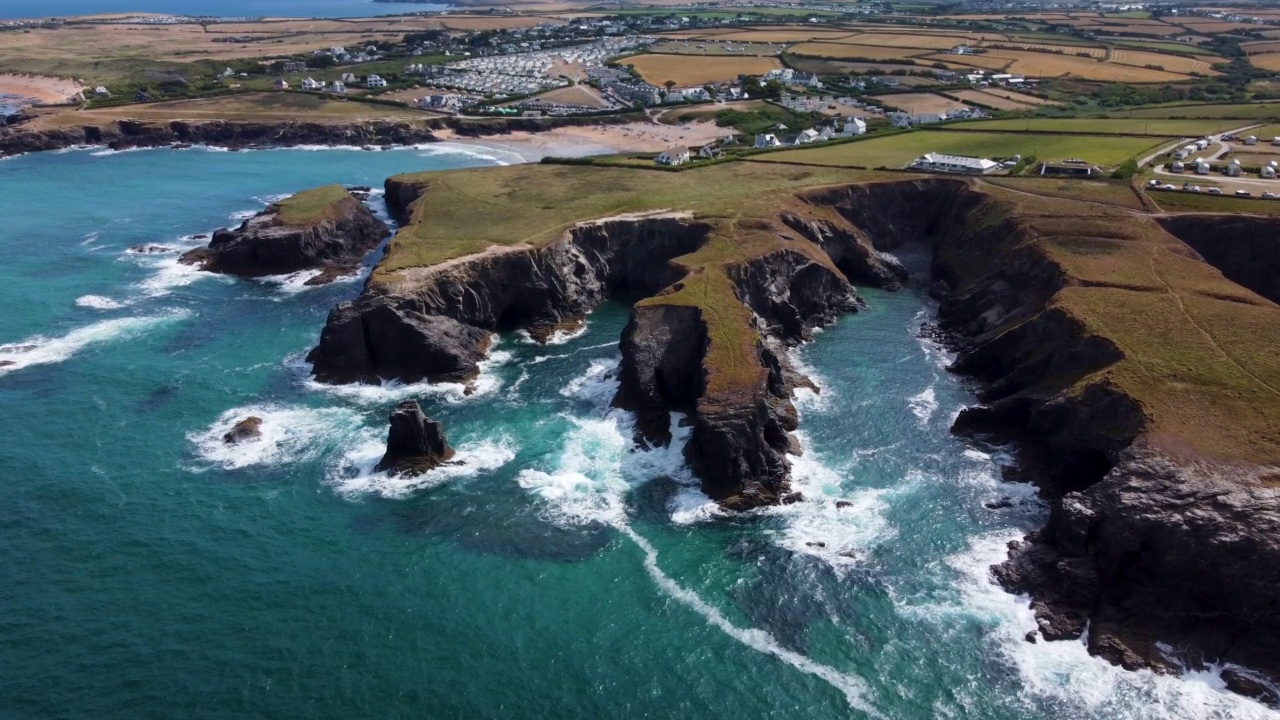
[1244, 682]
[149, 249]
[1030, 637]
[415, 443]
[791, 498]
[815, 544]
[1000, 504]
[247, 429]
[266, 244]
[842, 504]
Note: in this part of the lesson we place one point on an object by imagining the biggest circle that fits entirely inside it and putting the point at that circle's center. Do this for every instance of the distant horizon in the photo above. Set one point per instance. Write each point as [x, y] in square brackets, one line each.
[38, 9]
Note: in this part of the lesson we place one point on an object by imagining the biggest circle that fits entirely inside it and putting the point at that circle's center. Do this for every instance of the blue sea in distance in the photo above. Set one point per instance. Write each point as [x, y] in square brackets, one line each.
[148, 570]
[216, 8]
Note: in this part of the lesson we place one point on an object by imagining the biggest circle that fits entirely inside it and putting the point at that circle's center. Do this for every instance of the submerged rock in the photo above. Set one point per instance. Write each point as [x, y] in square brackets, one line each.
[247, 429]
[415, 442]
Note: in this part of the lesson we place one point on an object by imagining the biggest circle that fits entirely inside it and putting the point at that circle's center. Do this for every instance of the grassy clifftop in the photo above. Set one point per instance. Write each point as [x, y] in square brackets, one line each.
[313, 205]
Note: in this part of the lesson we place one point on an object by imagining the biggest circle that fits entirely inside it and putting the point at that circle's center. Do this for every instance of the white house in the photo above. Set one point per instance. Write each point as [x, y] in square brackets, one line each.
[309, 84]
[227, 73]
[854, 126]
[808, 136]
[337, 86]
[673, 156]
[349, 78]
[100, 90]
[375, 81]
[940, 162]
[710, 152]
[280, 84]
[767, 140]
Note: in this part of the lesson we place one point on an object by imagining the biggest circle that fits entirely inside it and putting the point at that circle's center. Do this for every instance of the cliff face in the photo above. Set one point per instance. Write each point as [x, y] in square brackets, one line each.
[336, 237]
[1245, 248]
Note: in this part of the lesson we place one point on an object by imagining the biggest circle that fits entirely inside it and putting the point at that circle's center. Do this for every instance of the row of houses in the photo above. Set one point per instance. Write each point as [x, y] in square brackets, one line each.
[906, 120]
[788, 76]
[827, 131]
[372, 82]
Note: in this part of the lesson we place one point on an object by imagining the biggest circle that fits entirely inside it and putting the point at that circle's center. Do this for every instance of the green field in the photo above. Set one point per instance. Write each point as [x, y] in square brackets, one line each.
[1200, 202]
[1241, 111]
[1107, 126]
[898, 150]
[314, 204]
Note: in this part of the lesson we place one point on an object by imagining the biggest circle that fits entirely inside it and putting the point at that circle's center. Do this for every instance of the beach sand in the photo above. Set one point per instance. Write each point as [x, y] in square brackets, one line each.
[39, 88]
[578, 141]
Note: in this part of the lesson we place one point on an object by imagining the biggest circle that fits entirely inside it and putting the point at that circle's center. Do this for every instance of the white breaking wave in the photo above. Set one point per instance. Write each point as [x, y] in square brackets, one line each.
[98, 302]
[241, 215]
[290, 434]
[389, 391]
[170, 274]
[355, 476]
[1063, 673]
[924, 405]
[836, 525]
[559, 337]
[41, 350]
[90, 239]
[598, 385]
[479, 152]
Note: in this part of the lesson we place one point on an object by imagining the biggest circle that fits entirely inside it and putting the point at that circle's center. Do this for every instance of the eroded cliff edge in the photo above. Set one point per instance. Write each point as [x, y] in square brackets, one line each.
[1138, 380]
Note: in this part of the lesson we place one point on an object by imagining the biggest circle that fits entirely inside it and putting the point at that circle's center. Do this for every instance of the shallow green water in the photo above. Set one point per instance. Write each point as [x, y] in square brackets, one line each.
[150, 571]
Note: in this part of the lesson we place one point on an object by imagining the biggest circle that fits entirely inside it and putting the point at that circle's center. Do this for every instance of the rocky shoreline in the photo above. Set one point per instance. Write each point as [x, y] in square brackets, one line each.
[17, 139]
[1168, 559]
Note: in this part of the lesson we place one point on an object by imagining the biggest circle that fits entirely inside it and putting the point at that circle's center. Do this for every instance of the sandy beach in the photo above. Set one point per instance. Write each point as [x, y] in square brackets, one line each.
[39, 89]
[577, 141]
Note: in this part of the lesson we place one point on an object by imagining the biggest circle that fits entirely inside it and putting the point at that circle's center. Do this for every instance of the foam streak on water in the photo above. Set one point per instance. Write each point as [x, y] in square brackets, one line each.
[40, 350]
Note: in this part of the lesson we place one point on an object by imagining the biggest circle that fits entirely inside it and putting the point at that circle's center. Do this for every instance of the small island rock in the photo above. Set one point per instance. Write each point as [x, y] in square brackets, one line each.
[415, 442]
[249, 428]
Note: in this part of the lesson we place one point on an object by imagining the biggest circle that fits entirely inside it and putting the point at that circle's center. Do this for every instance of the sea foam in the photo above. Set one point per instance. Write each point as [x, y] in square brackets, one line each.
[354, 475]
[289, 434]
[98, 302]
[41, 350]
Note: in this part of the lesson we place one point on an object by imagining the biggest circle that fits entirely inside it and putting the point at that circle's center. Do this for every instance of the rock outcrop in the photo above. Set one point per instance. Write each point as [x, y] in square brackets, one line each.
[325, 229]
[247, 429]
[415, 442]
[1246, 248]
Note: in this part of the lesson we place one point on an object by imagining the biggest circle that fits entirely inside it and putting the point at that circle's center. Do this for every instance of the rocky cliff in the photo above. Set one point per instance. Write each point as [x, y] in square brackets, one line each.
[19, 137]
[1246, 248]
[326, 229]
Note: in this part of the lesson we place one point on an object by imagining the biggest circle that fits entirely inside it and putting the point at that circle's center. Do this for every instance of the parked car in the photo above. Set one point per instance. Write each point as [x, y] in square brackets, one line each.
[1268, 196]
[1215, 191]
[1168, 186]
[1243, 193]
[1196, 188]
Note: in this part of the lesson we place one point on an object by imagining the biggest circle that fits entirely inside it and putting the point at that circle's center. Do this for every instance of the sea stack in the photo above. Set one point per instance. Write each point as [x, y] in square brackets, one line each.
[415, 442]
[326, 229]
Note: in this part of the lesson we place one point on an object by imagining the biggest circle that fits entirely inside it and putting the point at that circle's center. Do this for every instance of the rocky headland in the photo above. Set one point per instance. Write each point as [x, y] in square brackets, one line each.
[1139, 382]
[326, 229]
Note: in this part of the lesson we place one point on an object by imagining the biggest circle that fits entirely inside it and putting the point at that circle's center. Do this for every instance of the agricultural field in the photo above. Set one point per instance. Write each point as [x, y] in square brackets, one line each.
[658, 69]
[984, 62]
[1003, 100]
[1172, 63]
[1091, 51]
[1266, 61]
[1107, 192]
[840, 51]
[1201, 202]
[1240, 111]
[896, 151]
[711, 47]
[785, 35]
[927, 42]
[920, 102]
[1101, 126]
[1178, 47]
[1034, 64]
[1258, 48]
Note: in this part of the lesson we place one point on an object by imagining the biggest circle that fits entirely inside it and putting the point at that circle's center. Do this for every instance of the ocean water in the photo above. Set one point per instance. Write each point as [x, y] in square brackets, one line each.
[216, 8]
[150, 571]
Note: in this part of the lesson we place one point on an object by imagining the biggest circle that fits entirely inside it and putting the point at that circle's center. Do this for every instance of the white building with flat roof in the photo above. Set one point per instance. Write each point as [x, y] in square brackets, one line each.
[940, 162]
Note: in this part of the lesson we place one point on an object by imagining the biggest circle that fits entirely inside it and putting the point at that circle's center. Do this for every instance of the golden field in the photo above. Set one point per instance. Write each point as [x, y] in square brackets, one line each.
[682, 70]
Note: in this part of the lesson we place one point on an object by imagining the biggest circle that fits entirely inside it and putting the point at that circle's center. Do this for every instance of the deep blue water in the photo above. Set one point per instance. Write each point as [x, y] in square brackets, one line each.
[217, 8]
[150, 571]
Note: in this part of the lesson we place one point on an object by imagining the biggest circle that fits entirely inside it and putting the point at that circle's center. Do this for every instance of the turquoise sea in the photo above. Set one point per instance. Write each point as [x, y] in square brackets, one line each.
[149, 571]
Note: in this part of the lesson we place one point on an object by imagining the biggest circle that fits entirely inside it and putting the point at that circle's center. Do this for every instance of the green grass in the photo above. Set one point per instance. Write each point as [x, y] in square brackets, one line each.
[1105, 126]
[312, 205]
[1107, 192]
[1240, 111]
[897, 150]
[1203, 203]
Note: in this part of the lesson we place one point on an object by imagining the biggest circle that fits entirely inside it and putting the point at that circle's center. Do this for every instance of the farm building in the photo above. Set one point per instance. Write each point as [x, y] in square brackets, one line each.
[1070, 169]
[940, 162]
[673, 156]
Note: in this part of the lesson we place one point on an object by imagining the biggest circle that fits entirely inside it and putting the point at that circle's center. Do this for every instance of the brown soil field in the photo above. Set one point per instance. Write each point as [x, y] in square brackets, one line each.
[1016, 96]
[574, 95]
[709, 32]
[921, 102]
[1256, 48]
[1096, 52]
[713, 47]
[1046, 65]
[840, 51]
[1268, 61]
[895, 40]
[1172, 63]
[786, 36]
[985, 62]
[658, 69]
[990, 100]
